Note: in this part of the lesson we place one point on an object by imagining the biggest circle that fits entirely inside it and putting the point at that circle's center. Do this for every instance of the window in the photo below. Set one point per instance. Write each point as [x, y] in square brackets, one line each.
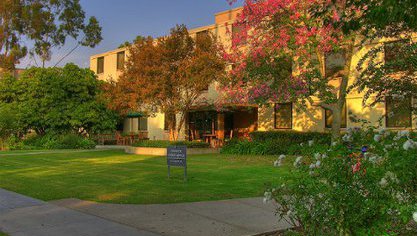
[203, 40]
[143, 123]
[335, 62]
[328, 116]
[166, 121]
[120, 60]
[202, 35]
[100, 65]
[283, 116]
[166, 125]
[398, 112]
[283, 70]
[393, 54]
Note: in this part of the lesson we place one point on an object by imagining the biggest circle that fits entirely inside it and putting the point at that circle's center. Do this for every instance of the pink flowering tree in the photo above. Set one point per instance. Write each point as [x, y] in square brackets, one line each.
[279, 52]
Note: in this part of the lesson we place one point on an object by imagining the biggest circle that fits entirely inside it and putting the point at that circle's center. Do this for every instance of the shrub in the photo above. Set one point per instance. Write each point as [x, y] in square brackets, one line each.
[246, 147]
[14, 143]
[273, 142]
[165, 144]
[52, 141]
[72, 141]
[290, 137]
[365, 185]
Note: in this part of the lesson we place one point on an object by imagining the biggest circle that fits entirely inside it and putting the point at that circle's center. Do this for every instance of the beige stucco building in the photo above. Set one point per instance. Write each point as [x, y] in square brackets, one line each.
[239, 121]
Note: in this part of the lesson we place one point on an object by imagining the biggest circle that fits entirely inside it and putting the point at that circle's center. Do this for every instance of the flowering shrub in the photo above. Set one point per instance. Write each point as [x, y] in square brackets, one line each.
[365, 185]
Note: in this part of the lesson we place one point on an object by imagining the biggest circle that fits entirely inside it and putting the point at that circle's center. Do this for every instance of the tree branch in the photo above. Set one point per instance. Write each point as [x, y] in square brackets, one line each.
[69, 53]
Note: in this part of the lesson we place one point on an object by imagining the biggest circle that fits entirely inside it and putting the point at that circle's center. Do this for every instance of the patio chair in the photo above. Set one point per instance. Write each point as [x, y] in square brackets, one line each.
[120, 140]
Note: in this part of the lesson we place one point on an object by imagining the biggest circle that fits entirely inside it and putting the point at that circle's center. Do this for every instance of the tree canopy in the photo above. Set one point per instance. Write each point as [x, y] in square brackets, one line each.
[47, 23]
[56, 100]
[167, 75]
[307, 33]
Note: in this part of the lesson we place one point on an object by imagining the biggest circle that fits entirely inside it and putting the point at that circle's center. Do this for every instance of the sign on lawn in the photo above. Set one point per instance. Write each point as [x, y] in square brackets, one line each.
[177, 156]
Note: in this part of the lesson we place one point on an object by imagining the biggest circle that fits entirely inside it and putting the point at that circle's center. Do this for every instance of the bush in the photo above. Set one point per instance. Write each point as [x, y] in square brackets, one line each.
[366, 185]
[51, 141]
[165, 144]
[290, 137]
[246, 147]
[273, 142]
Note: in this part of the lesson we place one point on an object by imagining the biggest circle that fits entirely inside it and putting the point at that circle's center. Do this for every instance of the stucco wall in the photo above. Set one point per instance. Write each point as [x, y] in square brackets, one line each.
[156, 127]
[110, 64]
[312, 118]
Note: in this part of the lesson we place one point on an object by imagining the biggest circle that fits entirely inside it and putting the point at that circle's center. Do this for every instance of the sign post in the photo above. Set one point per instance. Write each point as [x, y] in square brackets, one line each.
[177, 156]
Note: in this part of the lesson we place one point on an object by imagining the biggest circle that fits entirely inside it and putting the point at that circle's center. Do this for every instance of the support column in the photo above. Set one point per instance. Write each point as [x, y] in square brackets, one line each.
[220, 125]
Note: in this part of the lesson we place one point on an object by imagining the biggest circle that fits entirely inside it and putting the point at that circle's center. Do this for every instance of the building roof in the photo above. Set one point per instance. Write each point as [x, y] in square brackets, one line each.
[191, 31]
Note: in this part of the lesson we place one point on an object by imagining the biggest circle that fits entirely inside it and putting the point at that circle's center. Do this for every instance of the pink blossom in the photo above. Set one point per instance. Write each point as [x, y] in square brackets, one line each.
[357, 167]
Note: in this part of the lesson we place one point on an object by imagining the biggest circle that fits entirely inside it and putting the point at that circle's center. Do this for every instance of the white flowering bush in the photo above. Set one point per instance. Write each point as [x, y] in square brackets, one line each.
[365, 185]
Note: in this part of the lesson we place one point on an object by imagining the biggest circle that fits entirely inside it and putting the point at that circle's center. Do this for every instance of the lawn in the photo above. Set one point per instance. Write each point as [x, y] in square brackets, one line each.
[116, 177]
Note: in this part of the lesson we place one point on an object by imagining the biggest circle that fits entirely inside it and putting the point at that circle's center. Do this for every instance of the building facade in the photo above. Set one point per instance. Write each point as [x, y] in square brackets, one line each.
[205, 123]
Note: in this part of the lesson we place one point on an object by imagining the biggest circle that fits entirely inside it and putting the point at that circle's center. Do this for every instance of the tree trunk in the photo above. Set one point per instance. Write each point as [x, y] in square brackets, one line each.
[338, 108]
[40, 131]
[180, 124]
[2, 144]
[172, 126]
[336, 123]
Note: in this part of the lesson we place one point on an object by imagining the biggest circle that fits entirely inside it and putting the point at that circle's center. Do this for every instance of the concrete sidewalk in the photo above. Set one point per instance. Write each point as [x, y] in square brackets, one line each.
[228, 217]
[24, 216]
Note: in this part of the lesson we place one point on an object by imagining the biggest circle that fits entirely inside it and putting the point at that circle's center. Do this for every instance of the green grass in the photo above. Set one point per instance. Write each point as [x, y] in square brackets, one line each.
[3, 234]
[116, 177]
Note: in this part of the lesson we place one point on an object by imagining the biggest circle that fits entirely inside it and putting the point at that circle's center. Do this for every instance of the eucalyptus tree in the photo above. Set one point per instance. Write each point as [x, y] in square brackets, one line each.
[45, 23]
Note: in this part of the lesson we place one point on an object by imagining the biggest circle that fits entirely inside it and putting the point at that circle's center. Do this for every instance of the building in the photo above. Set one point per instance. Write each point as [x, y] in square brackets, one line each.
[205, 123]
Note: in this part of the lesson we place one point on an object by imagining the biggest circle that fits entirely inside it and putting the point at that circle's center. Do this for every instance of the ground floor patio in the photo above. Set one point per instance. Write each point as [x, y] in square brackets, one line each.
[208, 123]
[215, 127]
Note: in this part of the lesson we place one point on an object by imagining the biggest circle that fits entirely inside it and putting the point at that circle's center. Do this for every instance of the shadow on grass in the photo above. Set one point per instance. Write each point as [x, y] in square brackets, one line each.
[115, 177]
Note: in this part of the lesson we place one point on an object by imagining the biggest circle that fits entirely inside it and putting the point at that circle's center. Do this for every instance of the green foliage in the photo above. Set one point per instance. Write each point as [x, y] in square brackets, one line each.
[273, 142]
[57, 100]
[345, 191]
[396, 77]
[47, 24]
[51, 141]
[164, 144]
[290, 136]
[179, 66]
[8, 124]
[383, 16]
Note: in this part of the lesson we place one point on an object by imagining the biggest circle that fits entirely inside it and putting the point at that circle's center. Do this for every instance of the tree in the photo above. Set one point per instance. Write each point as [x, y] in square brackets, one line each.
[47, 23]
[138, 39]
[9, 124]
[167, 75]
[57, 100]
[306, 32]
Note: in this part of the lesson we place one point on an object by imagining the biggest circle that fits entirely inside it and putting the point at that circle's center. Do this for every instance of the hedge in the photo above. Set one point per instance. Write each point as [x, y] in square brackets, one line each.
[274, 143]
[52, 141]
[165, 144]
[290, 137]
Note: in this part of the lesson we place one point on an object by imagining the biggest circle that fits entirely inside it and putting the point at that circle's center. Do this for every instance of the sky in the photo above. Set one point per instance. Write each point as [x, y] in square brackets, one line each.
[123, 20]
